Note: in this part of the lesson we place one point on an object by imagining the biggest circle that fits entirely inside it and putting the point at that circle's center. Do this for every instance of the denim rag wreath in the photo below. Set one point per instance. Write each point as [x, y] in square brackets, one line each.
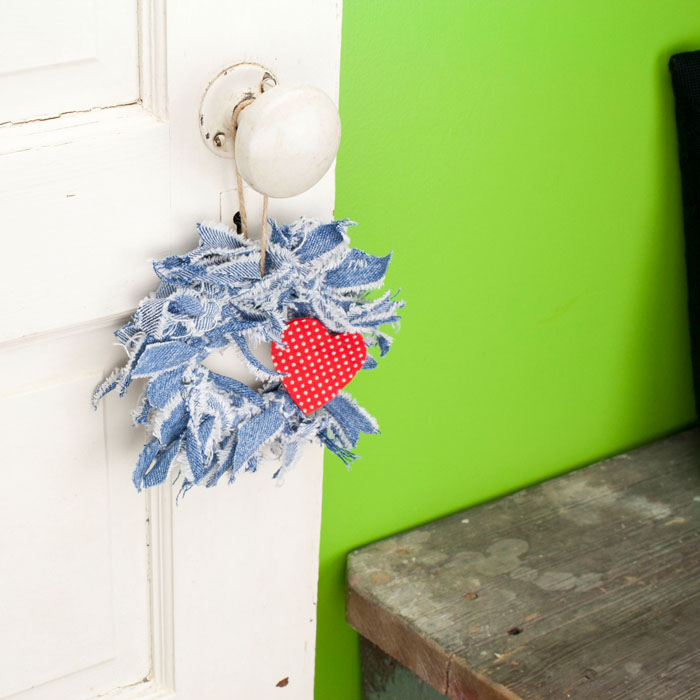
[205, 425]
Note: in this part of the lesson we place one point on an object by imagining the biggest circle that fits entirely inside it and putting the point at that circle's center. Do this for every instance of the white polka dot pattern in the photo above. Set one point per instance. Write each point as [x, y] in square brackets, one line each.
[316, 365]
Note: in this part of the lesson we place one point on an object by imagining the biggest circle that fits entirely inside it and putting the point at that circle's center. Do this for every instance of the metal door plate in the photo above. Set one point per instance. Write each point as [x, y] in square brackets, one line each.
[223, 93]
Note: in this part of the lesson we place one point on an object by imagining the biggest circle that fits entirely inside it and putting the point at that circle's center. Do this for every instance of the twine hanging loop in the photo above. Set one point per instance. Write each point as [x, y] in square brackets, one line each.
[239, 186]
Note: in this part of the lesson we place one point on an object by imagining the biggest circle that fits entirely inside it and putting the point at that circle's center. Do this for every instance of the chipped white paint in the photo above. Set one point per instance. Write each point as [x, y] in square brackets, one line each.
[564, 581]
[115, 592]
[632, 668]
[501, 557]
[415, 538]
[587, 582]
[557, 580]
[583, 502]
[524, 573]
[646, 508]
[431, 558]
[388, 545]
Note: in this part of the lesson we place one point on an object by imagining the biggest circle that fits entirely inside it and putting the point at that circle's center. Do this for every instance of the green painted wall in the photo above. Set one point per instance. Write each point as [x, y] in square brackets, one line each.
[519, 157]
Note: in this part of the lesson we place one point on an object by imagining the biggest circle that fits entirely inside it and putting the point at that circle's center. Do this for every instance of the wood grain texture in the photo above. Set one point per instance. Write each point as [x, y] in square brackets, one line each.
[584, 586]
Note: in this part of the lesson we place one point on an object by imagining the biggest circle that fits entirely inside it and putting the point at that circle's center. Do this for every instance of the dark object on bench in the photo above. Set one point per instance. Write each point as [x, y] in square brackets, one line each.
[586, 587]
[685, 77]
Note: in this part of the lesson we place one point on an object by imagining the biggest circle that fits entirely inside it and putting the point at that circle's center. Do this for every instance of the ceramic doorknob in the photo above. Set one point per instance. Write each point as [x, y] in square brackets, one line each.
[287, 139]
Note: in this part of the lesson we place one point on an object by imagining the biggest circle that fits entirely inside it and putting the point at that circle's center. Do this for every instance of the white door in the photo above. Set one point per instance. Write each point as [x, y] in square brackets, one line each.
[102, 168]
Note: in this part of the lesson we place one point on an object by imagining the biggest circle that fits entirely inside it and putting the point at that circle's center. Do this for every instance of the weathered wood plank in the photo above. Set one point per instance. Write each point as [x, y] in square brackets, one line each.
[585, 586]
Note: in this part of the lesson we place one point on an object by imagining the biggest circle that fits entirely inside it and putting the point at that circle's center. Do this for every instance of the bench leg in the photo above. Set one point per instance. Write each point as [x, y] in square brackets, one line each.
[384, 678]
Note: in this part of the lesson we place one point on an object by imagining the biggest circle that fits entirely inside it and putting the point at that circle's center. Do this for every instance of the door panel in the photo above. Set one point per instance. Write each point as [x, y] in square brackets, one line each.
[85, 197]
[88, 203]
[74, 598]
[67, 56]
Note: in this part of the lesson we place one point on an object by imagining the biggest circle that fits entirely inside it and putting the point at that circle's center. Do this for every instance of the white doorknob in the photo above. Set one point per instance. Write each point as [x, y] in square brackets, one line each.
[287, 139]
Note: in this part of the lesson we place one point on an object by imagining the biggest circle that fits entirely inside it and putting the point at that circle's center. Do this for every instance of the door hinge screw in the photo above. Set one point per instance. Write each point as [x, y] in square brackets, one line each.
[268, 81]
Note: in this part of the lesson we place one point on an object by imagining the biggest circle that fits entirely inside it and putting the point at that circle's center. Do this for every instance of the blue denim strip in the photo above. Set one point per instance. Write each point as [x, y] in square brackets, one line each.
[161, 465]
[205, 425]
[253, 434]
[359, 270]
[161, 389]
[350, 418]
[163, 356]
[144, 462]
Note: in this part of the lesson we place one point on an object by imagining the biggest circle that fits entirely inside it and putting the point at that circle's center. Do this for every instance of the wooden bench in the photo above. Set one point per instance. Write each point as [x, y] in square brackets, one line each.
[585, 586]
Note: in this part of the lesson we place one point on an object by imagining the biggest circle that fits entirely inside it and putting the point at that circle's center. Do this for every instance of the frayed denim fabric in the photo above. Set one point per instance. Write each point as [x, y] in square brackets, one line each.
[204, 425]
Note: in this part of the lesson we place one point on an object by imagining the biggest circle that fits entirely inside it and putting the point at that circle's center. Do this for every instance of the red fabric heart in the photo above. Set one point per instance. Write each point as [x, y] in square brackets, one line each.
[316, 365]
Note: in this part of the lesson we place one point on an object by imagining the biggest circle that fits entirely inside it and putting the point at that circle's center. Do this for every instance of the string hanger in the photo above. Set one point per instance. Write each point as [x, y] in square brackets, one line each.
[239, 186]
